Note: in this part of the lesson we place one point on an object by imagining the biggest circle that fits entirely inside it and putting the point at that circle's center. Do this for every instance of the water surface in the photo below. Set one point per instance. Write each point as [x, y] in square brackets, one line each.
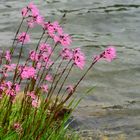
[113, 108]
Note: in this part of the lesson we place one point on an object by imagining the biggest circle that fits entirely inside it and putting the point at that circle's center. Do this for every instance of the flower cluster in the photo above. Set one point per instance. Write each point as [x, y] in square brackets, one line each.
[9, 88]
[55, 31]
[34, 98]
[23, 38]
[28, 72]
[109, 54]
[37, 77]
[39, 61]
[32, 14]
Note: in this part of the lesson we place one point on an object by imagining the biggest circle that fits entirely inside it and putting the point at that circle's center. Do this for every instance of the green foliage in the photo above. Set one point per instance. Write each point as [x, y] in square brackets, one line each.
[35, 123]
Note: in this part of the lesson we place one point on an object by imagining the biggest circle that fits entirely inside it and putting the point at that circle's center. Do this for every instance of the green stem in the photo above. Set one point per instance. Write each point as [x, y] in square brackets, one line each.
[45, 66]
[56, 73]
[12, 48]
[50, 93]
[64, 80]
[74, 89]
[20, 53]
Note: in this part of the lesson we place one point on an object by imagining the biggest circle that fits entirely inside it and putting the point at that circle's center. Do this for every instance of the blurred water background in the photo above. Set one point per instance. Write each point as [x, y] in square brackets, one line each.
[113, 107]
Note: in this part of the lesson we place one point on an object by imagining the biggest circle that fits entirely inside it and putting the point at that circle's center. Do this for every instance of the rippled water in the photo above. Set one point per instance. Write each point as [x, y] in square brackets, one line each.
[113, 108]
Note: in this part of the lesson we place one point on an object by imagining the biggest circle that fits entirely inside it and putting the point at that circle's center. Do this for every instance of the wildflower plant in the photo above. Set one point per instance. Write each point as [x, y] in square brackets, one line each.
[32, 102]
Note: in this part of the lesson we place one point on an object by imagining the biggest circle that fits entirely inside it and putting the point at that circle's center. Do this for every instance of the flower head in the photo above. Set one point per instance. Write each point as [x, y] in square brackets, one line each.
[17, 126]
[33, 8]
[34, 56]
[28, 72]
[49, 77]
[70, 88]
[109, 54]
[16, 87]
[29, 10]
[66, 53]
[23, 38]
[35, 103]
[10, 88]
[53, 29]
[39, 65]
[8, 56]
[65, 40]
[24, 11]
[35, 20]
[79, 58]
[8, 84]
[10, 67]
[45, 88]
[32, 95]
[57, 27]
[45, 48]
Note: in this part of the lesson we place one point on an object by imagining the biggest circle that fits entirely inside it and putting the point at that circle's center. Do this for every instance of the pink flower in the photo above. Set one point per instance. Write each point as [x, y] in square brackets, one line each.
[48, 26]
[34, 56]
[54, 30]
[56, 39]
[30, 8]
[109, 54]
[24, 12]
[17, 126]
[39, 65]
[58, 27]
[16, 87]
[11, 89]
[33, 8]
[8, 84]
[45, 88]
[35, 20]
[39, 20]
[32, 95]
[45, 48]
[79, 58]
[45, 57]
[8, 56]
[34, 17]
[31, 12]
[20, 68]
[2, 87]
[31, 23]
[47, 60]
[66, 53]
[70, 88]
[10, 67]
[23, 38]
[49, 78]
[65, 40]
[35, 103]
[28, 72]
